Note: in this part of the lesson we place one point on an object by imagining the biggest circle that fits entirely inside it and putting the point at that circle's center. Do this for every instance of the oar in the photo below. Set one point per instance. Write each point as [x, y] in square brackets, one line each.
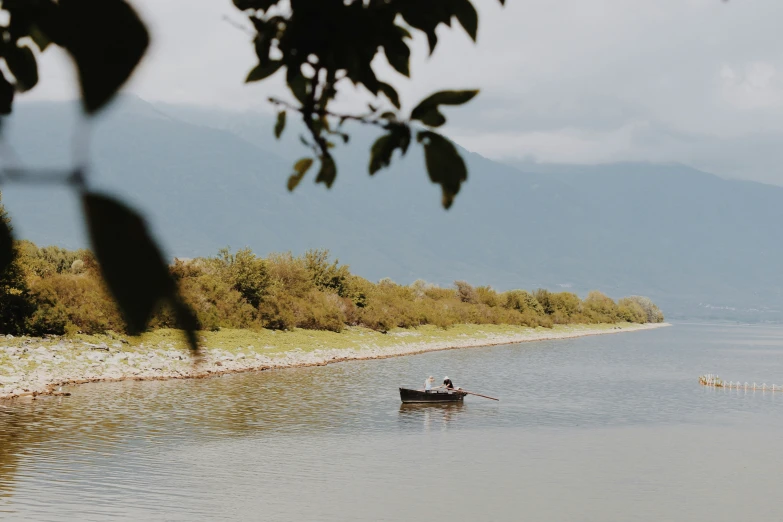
[479, 395]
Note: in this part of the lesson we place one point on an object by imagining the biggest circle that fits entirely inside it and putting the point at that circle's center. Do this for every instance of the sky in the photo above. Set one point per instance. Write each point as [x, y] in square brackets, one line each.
[698, 82]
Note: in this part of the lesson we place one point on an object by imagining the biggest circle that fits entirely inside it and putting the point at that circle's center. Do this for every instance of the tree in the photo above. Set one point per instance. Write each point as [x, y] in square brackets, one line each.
[15, 305]
[247, 274]
[465, 292]
[320, 44]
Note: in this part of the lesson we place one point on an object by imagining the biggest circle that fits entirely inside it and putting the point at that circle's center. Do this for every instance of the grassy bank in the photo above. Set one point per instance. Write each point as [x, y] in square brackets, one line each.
[30, 366]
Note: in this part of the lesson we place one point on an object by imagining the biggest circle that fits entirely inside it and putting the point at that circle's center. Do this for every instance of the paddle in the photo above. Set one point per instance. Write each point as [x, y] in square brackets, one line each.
[478, 395]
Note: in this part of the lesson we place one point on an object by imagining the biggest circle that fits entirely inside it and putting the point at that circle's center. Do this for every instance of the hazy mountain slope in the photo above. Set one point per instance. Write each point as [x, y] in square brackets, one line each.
[210, 179]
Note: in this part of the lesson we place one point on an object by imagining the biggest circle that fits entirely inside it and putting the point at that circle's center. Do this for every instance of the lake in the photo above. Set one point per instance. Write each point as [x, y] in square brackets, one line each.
[599, 428]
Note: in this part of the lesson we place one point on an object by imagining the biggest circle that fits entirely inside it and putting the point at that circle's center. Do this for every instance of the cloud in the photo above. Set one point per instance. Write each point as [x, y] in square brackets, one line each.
[758, 86]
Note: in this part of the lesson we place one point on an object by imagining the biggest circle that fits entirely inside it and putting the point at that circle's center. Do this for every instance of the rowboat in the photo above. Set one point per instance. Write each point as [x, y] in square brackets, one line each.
[407, 395]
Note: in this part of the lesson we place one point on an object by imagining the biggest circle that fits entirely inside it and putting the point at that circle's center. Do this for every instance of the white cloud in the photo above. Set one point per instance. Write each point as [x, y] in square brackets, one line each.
[758, 86]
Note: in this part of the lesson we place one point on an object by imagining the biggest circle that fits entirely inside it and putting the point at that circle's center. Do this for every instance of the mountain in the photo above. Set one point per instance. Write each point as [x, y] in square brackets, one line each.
[699, 245]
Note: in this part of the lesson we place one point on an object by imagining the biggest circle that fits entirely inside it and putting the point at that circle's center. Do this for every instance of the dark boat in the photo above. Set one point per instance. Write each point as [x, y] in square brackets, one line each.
[407, 395]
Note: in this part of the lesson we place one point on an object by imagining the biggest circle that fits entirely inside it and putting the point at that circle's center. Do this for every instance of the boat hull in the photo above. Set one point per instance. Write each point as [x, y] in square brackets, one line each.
[409, 396]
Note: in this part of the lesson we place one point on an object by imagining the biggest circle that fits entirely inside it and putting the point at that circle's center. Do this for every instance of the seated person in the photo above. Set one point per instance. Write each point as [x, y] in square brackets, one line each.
[428, 383]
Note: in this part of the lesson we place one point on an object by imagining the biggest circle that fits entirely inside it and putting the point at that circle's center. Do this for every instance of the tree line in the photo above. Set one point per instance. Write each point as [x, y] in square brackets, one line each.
[51, 290]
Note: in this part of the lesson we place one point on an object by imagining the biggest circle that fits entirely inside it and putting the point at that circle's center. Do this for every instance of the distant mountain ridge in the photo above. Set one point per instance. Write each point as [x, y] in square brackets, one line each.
[699, 245]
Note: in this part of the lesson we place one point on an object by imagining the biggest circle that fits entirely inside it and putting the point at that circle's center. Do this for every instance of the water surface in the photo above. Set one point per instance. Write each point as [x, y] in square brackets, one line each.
[598, 428]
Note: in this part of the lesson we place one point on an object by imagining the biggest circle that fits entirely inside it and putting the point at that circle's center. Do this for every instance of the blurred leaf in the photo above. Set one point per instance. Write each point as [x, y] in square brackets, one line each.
[132, 264]
[21, 62]
[433, 118]
[390, 93]
[398, 137]
[105, 38]
[39, 37]
[300, 169]
[297, 83]
[444, 164]
[427, 18]
[427, 111]
[259, 72]
[280, 125]
[381, 153]
[255, 4]
[7, 92]
[328, 171]
[397, 52]
[6, 246]
[447, 98]
[467, 16]
[187, 320]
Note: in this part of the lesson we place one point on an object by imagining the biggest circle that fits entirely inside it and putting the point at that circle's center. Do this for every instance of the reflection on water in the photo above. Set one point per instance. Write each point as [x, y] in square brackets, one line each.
[586, 429]
[430, 416]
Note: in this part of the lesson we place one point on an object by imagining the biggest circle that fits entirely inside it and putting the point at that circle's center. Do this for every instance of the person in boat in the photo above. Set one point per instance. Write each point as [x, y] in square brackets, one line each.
[428, 383]
[447, 383]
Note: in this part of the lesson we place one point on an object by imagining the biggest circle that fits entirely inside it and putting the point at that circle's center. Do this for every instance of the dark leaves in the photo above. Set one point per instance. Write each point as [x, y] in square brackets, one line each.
[398, 137]
[467, 16]
[21, 62]
[298, 84]
[390, 93]
[381, 153]
[132, 265]
[444, 164]
[328, 171]
[6, 246]
[322, 42]
[300, 169]
[259, 72]
[39, 37]
[6, 95]
[280, 124]
[428, 111]
[427, 18]
[397, 52]
[263, 5]
[105, 38]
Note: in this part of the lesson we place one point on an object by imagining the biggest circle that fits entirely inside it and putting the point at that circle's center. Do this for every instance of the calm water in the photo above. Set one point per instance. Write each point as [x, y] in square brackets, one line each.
[599, 428]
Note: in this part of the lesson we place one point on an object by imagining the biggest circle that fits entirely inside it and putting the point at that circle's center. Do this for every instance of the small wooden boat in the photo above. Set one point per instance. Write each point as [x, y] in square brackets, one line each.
[407, 395]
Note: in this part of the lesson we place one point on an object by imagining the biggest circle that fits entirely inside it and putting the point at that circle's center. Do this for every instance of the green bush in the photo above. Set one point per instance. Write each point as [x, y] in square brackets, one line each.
[246, 273]
[652, 313]
[599, 308]
[79, 300]
[466, 293]
[631, 311]
[320, 311]
[522, 301]
[488, 296]
[277, 312]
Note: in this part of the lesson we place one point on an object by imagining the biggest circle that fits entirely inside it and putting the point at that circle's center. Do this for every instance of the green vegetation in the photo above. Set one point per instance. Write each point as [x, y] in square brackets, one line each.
[51, 290]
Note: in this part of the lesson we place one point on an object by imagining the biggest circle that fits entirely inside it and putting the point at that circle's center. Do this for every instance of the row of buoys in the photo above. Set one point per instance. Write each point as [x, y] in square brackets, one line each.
[716, 382]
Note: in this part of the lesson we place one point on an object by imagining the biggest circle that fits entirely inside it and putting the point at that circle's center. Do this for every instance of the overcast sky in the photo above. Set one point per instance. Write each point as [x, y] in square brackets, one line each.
[572, 81]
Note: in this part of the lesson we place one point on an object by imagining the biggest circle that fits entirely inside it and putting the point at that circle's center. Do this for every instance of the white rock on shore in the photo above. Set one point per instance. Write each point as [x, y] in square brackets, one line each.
[33, 370]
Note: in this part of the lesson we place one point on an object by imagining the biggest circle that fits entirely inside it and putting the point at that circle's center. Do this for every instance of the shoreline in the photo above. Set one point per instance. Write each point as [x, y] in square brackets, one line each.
[32, 367]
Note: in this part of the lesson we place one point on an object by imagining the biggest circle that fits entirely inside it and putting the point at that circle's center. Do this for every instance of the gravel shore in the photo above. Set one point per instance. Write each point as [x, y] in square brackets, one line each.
[33, 367]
